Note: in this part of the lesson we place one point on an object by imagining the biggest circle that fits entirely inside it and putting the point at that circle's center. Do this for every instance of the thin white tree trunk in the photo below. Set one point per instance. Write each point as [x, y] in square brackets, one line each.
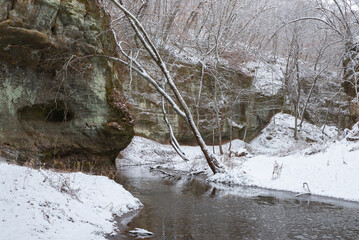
[151, 49]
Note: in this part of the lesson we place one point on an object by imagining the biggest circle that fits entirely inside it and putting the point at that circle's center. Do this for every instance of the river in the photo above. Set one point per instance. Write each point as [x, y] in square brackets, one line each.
[190, 208]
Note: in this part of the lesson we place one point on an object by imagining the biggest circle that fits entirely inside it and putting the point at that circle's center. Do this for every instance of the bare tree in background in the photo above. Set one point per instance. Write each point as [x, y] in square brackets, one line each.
[181, 108]
[228, 33]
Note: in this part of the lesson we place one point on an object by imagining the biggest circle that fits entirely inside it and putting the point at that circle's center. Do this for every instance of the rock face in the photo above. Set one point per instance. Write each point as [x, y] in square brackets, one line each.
[53, 106]
[350, 83]
[240, 105]
[329, 103]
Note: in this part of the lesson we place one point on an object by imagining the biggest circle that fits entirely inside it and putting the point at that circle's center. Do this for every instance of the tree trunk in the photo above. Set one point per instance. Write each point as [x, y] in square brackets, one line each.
[154, 54]
[296, 104]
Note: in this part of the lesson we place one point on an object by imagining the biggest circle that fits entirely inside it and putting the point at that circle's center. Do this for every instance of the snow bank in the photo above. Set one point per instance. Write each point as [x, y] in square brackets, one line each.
[41, 204]
[329, 167]
[277, 137]
[333, 173]
[142, 151]
[267, 76]
[274, 160]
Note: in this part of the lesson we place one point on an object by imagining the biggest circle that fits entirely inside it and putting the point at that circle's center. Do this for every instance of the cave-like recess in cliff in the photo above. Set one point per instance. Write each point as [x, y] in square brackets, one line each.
[52, 111]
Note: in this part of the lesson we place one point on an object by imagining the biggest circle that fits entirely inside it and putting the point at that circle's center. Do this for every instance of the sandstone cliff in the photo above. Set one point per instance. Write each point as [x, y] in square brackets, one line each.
[64, 113]
[241, 103]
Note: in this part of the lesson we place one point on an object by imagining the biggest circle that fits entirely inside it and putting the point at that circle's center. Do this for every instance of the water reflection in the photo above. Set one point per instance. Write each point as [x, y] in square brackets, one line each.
[190, 208]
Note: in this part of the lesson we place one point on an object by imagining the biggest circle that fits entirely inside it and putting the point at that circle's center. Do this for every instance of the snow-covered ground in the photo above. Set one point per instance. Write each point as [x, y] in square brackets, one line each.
[142, 151]
[277, 138]
[41, 204]
[273, 160]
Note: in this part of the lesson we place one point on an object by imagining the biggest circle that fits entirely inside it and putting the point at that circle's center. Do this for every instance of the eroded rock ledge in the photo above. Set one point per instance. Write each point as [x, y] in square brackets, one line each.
[54, 111]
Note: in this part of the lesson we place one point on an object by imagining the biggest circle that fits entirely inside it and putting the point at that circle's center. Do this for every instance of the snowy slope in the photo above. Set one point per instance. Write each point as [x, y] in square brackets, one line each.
[277, 137]
[329, 166]
[142, 151]
[39, 204]
[332, 173]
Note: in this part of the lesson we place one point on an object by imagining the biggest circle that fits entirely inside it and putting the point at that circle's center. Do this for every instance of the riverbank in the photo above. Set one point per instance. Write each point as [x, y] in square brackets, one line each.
[42, 204]
[327, 160]
[191, 208]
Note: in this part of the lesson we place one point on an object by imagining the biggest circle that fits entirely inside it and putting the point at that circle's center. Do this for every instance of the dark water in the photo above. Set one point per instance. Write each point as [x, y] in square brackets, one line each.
[189, 208]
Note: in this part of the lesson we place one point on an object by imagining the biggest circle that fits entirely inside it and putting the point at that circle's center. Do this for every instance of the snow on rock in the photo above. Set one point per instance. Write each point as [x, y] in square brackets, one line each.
[41, 204]
[277, 138]
[141, 233]
[234, 124]
[267, 76]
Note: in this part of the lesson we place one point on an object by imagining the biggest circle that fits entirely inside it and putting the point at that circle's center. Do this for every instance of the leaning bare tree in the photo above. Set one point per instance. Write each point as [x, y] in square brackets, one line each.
[177, 103]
